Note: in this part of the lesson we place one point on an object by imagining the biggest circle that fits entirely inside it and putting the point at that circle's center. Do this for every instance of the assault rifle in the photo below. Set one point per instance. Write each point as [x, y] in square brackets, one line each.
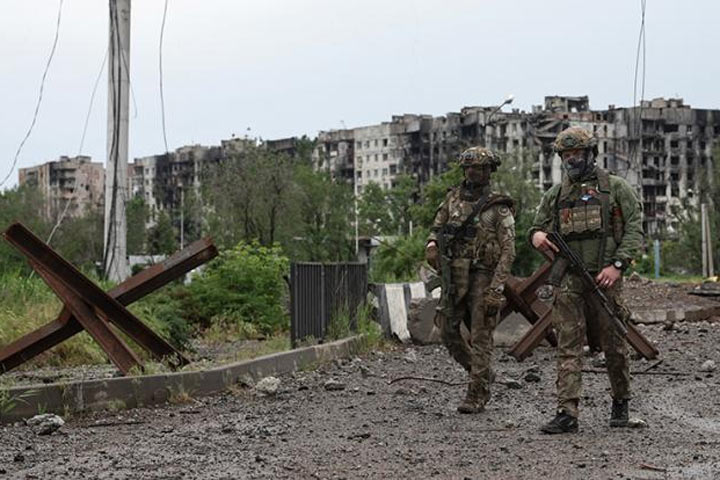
[576, 263]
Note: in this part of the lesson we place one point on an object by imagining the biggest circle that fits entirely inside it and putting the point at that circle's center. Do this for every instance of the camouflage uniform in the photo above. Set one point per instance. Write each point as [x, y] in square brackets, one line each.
[481, 259]
[599, 216]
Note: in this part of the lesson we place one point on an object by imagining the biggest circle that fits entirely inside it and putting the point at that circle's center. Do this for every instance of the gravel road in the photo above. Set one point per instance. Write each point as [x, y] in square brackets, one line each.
[346, 420]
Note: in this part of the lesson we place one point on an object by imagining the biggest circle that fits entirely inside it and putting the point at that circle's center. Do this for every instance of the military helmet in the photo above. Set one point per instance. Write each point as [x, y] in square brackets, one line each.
[479, 156]
[574, 138]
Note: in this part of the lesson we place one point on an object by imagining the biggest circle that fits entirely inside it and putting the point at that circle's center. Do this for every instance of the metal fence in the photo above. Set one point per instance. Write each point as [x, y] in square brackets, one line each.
[320, 292]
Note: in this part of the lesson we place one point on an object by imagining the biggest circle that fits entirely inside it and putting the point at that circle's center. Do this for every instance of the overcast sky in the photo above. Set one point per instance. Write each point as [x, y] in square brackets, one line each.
[293, 67]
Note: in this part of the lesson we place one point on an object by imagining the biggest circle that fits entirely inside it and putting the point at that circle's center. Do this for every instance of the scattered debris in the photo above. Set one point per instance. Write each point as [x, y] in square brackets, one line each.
[708, 366]
[637, 423]
[425, 379]
[45, 424]
[645, 466]
[334, 385]
[510, 383]
[599, 360]
[532, 377]
[410, 356]
[268, 386]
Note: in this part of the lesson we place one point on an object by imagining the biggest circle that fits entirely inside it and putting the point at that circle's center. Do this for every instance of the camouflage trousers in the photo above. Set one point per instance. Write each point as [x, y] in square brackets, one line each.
[476, 355]
[574, 314]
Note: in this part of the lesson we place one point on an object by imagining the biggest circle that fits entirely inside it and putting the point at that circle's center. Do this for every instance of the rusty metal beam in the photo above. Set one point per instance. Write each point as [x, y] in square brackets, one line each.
[526, 290]
[532, 337]
[118, 352]
[39, 341]
[37, 251]
[156, 276]
[522, 295]
[137, 286]
[640, 343]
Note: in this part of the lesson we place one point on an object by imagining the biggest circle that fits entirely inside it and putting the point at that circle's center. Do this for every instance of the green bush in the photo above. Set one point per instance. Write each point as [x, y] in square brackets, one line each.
[245, 284]
[399, 260]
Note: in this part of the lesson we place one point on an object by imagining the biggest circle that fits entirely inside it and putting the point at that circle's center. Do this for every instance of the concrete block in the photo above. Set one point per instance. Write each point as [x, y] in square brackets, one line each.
[397, 311]
[651, 316]
[510, 330]
[421, 321]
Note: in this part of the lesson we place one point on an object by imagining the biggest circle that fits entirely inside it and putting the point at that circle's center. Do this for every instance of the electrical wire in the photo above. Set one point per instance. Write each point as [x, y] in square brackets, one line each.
[92, 99]
[40, 95]
[633, 160]
[162, 95]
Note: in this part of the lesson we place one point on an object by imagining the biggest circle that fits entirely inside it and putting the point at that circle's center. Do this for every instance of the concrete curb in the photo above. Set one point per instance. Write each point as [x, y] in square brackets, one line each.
[131, 392]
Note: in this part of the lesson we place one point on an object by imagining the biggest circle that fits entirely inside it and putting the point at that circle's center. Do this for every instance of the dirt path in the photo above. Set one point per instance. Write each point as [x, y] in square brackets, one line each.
[409, 429]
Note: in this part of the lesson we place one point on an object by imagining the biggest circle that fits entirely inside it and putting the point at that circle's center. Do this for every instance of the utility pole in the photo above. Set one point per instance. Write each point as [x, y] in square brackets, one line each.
[116, 168]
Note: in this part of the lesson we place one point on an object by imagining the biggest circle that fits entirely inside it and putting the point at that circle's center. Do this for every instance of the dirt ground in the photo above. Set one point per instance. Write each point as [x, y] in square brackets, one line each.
[369, 428]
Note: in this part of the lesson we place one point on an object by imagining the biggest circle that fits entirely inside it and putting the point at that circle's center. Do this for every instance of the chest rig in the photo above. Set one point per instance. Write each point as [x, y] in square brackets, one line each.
[586, 218]
[473, 223]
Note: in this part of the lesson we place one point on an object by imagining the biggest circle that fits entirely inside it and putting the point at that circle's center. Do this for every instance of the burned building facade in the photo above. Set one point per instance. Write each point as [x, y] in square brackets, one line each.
[662, 147]
[74, 185]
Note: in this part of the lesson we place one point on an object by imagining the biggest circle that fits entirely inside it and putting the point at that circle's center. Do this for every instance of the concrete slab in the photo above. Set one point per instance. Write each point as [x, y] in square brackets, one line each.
[421, 321]
[511, 330]
[397, 311]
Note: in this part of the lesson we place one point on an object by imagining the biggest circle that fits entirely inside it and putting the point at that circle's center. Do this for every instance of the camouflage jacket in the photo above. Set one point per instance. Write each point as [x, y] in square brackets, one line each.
[599, 217]
[489, 241]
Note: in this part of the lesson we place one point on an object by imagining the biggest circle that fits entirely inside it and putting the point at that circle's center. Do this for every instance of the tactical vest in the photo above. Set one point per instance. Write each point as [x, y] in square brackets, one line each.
[478, 240]
[587, 220]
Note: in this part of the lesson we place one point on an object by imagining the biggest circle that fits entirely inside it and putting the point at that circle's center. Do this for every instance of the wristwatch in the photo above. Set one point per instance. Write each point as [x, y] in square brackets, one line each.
[619, 264]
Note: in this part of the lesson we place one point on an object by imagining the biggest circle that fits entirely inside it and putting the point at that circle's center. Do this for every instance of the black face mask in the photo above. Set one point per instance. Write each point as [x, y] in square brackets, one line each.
[577, 166]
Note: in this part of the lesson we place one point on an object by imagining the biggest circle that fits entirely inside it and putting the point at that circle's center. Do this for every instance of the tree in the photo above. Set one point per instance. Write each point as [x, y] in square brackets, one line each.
[373, 214]
[161, 237]
[137, 214]
[25, 204]
[513, 178]
[324, 214]
[80, 239]
[247, 193]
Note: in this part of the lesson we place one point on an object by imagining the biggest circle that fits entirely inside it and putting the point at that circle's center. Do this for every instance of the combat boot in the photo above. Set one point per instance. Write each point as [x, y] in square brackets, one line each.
[619, 416]
[562, 423]
[472, 402]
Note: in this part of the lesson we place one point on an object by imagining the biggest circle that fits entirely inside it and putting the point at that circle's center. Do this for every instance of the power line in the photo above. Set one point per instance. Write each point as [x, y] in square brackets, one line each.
[633, 160]
[92, 99]
[40, 96]
[162, 95]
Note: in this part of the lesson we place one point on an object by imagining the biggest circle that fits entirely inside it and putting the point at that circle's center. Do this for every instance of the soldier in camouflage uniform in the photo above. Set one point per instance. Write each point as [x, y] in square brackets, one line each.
[480, 251]
[599, 216]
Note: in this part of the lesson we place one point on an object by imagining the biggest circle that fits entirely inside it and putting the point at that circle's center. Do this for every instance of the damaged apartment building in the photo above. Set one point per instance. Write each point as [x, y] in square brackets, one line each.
[162, 180]
[661, 147]
[69, 185]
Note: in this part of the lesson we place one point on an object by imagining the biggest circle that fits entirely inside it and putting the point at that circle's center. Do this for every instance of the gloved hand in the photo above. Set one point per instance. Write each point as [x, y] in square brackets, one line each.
[432, 255]
[494, 301]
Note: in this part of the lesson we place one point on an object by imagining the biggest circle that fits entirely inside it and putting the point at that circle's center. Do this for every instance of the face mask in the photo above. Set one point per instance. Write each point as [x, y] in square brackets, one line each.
[477, 176]
[575, 166]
